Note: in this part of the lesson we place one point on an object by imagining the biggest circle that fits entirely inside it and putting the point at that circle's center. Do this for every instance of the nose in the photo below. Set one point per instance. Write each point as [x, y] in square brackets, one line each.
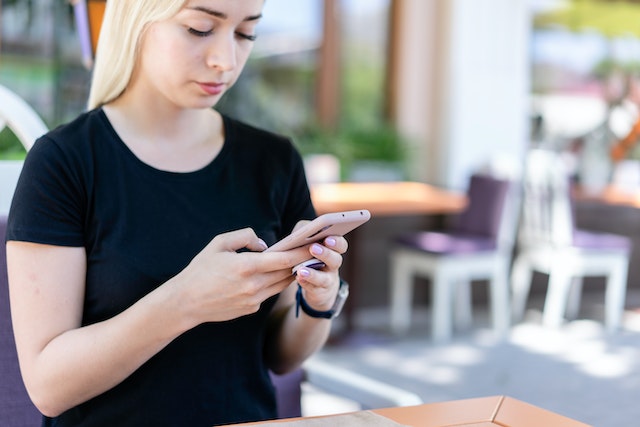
[221, 53]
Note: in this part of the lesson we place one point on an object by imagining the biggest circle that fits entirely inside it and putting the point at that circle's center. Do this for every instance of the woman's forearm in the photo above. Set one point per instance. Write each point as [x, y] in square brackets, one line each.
[82, 363]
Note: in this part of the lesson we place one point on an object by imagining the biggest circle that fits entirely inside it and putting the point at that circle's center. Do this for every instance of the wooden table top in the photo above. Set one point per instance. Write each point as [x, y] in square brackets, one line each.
[609, 195]
[386, 198]
[494, 411]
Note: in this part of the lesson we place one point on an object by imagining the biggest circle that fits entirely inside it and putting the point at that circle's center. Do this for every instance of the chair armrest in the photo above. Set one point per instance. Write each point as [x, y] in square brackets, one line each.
[364, 390]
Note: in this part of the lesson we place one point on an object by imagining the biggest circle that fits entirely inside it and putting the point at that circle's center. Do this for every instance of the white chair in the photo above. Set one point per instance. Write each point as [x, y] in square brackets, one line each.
[18, 116]
[549, 242]
[27, 126]
[477, 247]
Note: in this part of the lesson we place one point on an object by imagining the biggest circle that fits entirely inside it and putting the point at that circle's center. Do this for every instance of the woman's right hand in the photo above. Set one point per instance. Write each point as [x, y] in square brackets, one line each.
[222, 284]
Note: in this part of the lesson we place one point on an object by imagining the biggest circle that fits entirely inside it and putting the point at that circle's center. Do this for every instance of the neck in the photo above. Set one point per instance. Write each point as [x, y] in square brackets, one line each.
[167, 137]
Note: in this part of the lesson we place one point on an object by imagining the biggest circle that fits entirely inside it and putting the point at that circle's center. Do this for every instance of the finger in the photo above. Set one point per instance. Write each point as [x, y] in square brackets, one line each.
[331, 258]
[336, 243]
[276, 261]
[300, 223]
[233, 241]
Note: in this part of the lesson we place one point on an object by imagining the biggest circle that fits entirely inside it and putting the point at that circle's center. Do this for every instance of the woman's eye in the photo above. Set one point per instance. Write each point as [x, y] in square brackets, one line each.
[198, 33]
[250, 37]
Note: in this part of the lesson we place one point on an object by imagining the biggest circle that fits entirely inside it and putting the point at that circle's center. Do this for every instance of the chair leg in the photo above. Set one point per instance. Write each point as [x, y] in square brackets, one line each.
[555, 303]
[401, 294]
[442, 304]
[463, 305]
[499, 293]
[575, 295]
[615, 295]
[521, 275]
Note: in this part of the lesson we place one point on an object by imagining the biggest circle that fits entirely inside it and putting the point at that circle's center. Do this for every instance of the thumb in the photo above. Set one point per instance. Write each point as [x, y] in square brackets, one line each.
[236, 240]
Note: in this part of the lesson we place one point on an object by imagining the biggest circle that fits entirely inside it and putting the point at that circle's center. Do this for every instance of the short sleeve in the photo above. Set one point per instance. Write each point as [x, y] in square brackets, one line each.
[48, 204]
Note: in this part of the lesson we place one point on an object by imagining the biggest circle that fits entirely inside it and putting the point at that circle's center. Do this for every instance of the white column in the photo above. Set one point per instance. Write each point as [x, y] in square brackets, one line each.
[462, 85]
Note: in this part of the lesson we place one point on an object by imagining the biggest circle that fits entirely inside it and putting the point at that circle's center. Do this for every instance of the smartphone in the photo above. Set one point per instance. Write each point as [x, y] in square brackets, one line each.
[330, 224]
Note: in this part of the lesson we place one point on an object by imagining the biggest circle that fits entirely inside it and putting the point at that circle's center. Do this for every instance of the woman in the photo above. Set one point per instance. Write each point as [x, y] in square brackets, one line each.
[139, 291]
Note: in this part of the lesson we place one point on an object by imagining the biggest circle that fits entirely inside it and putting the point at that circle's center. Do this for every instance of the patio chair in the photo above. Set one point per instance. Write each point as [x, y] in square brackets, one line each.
[17, 116]
[477, 246]
[17, 410]
[20, 118]
[550, 243]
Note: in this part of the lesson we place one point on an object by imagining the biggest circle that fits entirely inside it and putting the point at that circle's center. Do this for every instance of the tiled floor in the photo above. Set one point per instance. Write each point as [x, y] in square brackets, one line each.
[577, 370]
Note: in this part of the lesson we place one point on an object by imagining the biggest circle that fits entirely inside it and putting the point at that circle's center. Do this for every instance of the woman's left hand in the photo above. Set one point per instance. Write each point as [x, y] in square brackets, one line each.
[320, 287]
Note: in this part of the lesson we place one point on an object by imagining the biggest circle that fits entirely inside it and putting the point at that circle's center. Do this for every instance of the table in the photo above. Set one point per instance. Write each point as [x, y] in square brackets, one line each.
[609, 195]
[491, 411]
[386, 198]
[381, 199]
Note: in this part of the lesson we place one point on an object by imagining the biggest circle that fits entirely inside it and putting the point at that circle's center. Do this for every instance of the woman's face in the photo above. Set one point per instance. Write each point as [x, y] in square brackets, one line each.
[193, 58]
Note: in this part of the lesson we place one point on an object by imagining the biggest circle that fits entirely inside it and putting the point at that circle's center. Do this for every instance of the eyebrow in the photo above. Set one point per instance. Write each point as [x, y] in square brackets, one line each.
[222, 15]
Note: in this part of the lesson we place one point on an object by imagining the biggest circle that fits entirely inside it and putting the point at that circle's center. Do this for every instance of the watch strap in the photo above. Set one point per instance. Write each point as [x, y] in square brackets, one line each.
[302, 303]
[343, 293]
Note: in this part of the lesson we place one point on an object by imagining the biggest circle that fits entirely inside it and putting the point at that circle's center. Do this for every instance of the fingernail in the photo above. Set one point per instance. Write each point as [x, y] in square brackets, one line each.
[316, 249]
[303, 272]
[330, 241]
[262, 243]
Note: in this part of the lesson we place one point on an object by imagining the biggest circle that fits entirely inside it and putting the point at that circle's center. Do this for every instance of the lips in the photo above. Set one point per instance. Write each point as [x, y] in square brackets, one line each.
[212, 88]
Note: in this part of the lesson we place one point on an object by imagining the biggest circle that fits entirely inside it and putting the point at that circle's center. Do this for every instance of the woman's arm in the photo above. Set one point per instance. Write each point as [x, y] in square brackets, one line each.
[64, 364]
[293, 339]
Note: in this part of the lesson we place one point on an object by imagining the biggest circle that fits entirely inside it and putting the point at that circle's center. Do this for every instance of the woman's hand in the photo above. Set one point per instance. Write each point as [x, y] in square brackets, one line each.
[221, 283]
[320, 286]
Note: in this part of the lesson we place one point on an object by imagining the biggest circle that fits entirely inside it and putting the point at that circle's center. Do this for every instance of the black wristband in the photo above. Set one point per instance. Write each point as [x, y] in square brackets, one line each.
[302, 303]
[343, 293]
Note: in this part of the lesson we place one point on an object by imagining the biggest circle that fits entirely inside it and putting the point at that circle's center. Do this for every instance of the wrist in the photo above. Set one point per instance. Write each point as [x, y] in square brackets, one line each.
[332, 312]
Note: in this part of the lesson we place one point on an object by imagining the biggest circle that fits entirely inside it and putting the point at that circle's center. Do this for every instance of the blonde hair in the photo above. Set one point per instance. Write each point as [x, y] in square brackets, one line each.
[124, 24]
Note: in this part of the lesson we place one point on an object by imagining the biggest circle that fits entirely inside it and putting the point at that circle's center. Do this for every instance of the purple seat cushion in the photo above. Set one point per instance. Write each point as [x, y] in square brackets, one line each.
[596, 240]
[16, 409]
[442, 243]
[475, 230]
[288, 393]
[487, 196]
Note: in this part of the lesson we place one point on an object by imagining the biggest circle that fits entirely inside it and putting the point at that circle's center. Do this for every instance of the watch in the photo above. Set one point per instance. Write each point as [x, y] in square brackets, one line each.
[343, 293]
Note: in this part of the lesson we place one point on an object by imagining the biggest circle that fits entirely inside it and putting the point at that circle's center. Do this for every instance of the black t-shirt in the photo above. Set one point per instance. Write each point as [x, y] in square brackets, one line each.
[81, 186]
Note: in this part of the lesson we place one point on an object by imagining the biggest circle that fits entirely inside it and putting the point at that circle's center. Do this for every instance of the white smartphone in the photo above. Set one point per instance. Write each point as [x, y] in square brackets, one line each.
[330, 224]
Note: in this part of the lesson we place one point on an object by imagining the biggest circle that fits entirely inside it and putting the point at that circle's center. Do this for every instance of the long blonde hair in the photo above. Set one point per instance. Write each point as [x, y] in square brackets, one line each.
[124, 24]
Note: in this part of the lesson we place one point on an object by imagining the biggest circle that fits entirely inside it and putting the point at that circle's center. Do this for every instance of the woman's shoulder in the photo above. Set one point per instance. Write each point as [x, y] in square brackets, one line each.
[245, 132]
[85, 123]
[73, 142]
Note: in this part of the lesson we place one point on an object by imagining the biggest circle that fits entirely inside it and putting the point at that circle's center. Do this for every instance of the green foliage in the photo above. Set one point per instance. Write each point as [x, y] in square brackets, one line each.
[610, 18]
[352, 143]
[10, 146]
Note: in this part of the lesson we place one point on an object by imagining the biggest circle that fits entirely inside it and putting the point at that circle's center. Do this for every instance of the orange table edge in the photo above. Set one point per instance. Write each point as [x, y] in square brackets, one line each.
[498, 411]
[386, 198]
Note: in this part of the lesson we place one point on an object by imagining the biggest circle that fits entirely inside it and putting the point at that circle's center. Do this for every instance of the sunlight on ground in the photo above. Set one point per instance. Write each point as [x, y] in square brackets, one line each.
[581, 343]
[433, 365]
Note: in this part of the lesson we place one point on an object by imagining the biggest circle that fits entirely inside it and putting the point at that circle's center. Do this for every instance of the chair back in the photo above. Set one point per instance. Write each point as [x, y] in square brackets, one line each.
[547, 213]
[489, 210]
[27, 126]
[18, 116]
[16, 409]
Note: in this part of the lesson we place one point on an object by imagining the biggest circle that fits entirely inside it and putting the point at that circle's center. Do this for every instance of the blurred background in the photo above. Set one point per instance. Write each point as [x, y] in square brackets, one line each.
[396, 89]
[427, 91]
[403, 90]
[418, 90]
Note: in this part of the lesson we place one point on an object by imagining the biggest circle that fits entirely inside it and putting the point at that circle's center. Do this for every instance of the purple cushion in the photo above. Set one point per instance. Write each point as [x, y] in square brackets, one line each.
[16, 409]
[487, 196]
[475, 230]
[288, 393]
[447, 243]
[596, 240]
